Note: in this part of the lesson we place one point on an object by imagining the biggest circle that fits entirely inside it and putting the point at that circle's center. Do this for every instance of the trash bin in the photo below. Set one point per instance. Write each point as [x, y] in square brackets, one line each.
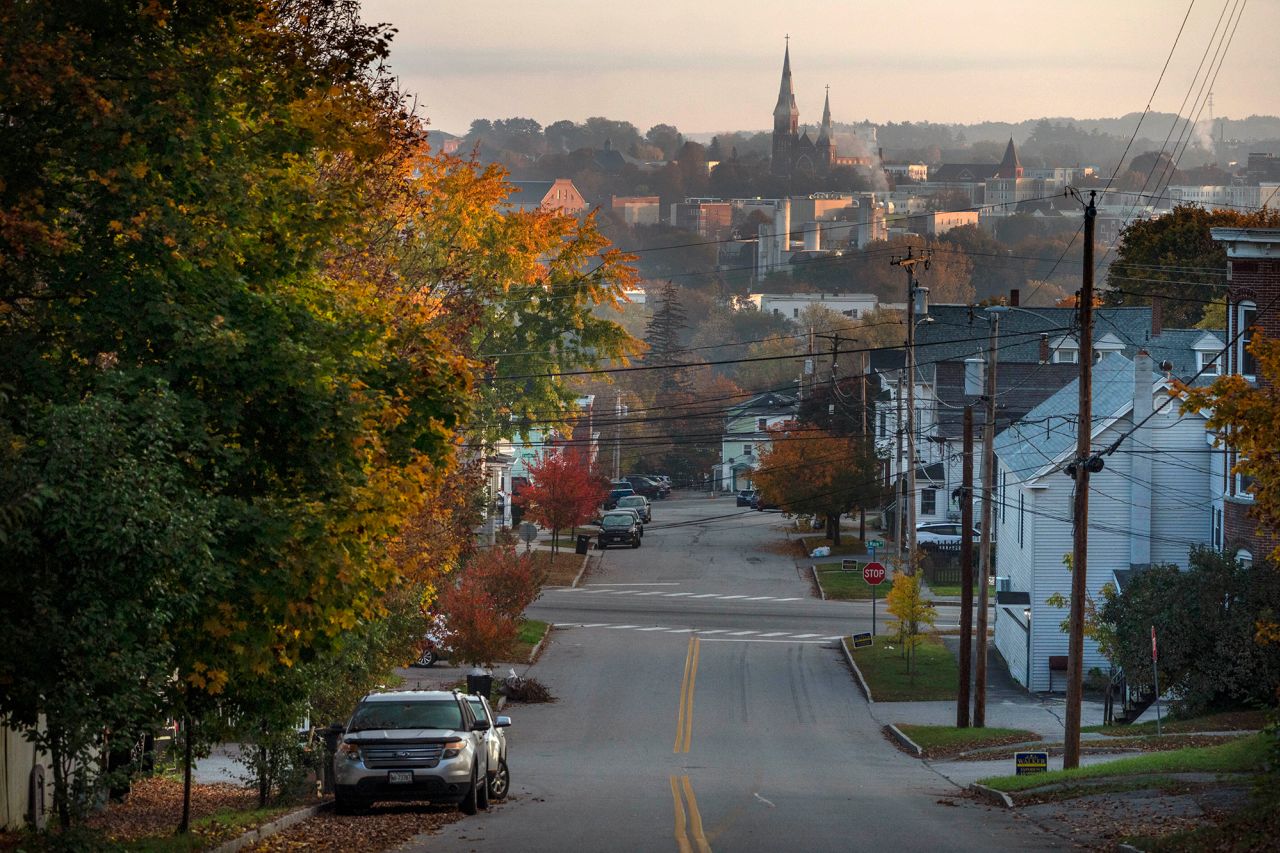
[584, 543]
[329, 736]
[480, 685]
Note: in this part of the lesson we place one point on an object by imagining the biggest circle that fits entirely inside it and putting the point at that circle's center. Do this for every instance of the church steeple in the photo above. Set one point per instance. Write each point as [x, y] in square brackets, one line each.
[825, 132]
[1010, 166]
[786, 120]
[786, 110]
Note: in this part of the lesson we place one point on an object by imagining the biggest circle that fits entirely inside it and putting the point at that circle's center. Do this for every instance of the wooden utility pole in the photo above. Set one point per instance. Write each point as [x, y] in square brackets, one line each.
[1080, 513]
[966, 572]
[897, 461]
[988, 493]
[909, 265]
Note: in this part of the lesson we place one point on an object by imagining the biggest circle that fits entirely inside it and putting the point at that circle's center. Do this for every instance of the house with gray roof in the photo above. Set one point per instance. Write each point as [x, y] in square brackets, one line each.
[1149, 504]
[746, 433]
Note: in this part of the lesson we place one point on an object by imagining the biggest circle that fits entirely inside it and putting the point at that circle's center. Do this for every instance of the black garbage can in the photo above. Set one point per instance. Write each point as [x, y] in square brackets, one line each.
[329, 736]
[584, 543]
[480, 685]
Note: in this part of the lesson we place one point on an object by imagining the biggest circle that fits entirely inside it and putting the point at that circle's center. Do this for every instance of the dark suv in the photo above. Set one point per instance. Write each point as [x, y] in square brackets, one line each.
[618, 528]
[649, 488]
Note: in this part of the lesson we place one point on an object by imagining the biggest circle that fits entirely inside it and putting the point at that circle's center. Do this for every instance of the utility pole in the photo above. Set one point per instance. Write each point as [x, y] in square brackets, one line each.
[966, 572]
[1080, 516]
[862, 383]
[897, 463]
[988, 491]
[617, 435]
[909, 264]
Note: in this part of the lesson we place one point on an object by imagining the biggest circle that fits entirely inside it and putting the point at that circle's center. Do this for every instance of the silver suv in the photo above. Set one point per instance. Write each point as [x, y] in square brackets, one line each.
[495, 745]
[413, 745]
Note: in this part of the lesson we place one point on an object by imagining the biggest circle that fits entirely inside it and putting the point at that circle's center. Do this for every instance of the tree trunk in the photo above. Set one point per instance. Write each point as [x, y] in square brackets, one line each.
[835, 529]
[60, 793]
[862, 525]
[184, 824]
[826, 526]
[264, 777]
[555, 541]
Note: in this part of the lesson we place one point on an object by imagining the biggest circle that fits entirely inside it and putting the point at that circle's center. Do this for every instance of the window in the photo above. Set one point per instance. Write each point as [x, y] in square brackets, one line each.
[1207, 362]
[795, 313]
[884, 423]
[928, 501]
[1004, 496]
[746, 450]
[1066, 355]
[762, 424]
[1021, 517]
[1247, 314]
[849, 313]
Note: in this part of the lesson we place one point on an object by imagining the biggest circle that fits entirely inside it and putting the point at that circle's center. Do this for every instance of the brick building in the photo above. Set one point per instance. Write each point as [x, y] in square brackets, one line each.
[1253, 305]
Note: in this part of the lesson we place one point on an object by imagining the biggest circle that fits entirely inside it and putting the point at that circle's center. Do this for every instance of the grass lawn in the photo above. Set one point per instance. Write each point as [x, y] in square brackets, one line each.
[849, 545]
[1224, 721]
[1245, 755]
[948, 740]
[847, 586]
[885, 671]
[561, 568]
[950, 589]
[531, 632]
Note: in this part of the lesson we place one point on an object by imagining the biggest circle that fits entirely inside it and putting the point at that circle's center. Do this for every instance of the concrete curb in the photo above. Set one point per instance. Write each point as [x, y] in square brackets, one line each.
[905, 741]
[253, 836]
[999, 798]
[582, 571]
[822, 593]
[857, 673]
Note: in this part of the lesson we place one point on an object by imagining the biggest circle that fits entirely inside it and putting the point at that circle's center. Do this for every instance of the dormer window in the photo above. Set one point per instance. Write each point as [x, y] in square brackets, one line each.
[1108, 343]
[1065, 351]
[1207, 363]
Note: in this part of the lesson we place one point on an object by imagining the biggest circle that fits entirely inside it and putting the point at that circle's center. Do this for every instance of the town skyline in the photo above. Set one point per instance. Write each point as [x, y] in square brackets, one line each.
[1102, 63]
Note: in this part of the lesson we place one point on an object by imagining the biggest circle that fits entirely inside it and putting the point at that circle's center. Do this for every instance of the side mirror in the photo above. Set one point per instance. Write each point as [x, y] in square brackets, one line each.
[502, 722]
[480, 726]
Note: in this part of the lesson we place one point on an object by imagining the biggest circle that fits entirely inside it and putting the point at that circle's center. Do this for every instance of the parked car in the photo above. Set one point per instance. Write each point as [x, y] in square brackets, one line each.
[745, 496]
[618, 528]
[635, 513]
[499, 775]
[435, 643]
[648, 488]
[761, 503]
[941, 533]
[423, 745]
[663, 481]
[639, 502]
[612, 500]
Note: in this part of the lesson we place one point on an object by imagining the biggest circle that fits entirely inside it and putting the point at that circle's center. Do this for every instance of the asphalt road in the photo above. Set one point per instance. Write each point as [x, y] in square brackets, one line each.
[704, 706]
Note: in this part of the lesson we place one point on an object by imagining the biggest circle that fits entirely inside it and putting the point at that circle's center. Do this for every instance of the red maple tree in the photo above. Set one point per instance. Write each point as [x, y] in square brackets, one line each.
[483, 607]
[563, 491]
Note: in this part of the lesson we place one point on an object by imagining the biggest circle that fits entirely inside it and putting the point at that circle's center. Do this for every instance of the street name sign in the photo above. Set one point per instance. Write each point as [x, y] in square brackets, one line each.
[875, 543]
[1026, 763]
[861, 641]
[873, 573]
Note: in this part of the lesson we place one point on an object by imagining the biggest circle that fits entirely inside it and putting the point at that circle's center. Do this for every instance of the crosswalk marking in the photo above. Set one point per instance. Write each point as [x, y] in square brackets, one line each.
[729, 634]
[715, 596]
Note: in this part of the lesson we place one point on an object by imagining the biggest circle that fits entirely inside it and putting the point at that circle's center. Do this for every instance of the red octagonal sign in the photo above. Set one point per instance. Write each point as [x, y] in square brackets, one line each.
[873, 573]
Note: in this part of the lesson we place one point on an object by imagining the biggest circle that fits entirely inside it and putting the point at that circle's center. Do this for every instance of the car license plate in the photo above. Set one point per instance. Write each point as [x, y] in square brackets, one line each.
[400, 777]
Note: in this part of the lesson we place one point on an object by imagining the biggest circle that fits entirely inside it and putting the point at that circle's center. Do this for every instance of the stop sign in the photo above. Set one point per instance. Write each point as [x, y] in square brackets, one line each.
[873, 573]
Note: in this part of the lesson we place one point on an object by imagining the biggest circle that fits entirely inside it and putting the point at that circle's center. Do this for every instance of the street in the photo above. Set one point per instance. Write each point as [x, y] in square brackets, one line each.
[703, 704]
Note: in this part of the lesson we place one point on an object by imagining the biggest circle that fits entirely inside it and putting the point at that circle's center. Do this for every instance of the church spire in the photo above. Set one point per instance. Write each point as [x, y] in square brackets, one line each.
[786, 109]
[825, 132]
[1010, 166]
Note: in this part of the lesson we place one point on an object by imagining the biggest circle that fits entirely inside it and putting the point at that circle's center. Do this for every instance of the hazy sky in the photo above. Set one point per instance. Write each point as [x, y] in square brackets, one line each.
[709, 65]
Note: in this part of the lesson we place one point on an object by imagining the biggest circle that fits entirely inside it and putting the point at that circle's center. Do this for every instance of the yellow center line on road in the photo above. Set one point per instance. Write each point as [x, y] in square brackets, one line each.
[695, 817]
[684, 714]
[682, 841]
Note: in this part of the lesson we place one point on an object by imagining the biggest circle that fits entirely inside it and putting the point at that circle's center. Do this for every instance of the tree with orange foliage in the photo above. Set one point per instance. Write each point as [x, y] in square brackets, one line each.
[810, 471]
[483, 608]
[563, 491]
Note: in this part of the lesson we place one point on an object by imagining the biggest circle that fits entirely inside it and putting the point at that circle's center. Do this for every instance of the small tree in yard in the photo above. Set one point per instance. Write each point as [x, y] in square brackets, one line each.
[484, 607]
[563, 492]
[911, 610]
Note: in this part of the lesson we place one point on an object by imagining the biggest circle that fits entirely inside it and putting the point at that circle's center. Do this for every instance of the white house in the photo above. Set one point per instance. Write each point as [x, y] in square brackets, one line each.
[790, 305]
[1149, 504]
[746, 434]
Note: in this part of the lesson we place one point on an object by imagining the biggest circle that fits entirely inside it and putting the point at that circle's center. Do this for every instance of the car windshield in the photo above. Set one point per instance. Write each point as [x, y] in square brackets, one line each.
[618, 520]
[631, 500]
[437, 714]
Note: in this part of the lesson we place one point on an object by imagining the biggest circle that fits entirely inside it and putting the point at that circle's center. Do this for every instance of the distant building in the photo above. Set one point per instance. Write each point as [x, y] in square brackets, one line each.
[795, 152]
[637, 209]
[559, 194]
[943, 221]
[907, 171]
[746, 433]
[790, 305]
[708, 218]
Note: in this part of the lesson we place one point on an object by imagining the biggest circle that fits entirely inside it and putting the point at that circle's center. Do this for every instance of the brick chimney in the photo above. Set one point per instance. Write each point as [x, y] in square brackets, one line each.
[1157, 316]
[1014, 295]
[1044, 348]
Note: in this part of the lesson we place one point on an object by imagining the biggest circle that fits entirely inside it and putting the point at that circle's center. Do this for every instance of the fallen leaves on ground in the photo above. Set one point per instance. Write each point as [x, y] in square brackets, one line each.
[154, 807]
[1153, 743]
[385, 826]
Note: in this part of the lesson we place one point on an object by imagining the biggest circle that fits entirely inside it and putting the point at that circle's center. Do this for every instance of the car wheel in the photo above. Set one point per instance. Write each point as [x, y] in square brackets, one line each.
[469, 804]
[500, 784]
[427, 658]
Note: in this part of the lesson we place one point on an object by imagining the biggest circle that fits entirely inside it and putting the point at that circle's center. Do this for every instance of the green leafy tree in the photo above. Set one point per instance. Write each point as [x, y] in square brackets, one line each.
[911, 610]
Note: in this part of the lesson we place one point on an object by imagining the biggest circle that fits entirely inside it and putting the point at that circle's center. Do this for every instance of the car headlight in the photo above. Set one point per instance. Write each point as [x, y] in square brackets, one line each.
[453, 747]
[349, 751]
